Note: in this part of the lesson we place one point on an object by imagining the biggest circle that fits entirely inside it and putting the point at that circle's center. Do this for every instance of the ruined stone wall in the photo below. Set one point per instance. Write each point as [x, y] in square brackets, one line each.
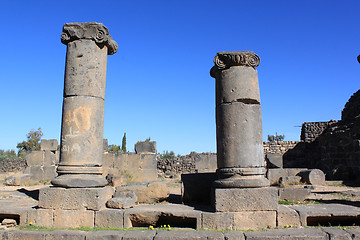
[311, 130]
[279, 147]
[191, 163]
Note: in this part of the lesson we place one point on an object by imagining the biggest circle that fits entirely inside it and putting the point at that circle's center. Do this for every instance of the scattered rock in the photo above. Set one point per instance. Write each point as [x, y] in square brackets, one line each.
[17, 179]
[123, 199]
[8, 222]
[147, 192]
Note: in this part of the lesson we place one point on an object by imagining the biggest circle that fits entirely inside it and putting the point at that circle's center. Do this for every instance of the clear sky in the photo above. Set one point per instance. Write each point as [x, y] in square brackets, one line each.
[158, 84]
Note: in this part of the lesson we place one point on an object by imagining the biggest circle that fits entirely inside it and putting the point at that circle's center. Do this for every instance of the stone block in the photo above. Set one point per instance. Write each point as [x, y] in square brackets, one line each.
[37, 173]
[40, 217]
[196, 187]
[294, 194]
[287, 217]
[139, 235]
[49, 172]
[336, 233]
[254, 220]
[218, 220]
[73, 218]
[289, 181]
[288, 234]
[121, 159]
[148, 161]
[35, 158]
[274, 160]
[108, 160]
[188, 235]
[105, 235]
[234, 235]
[49, 158]
[205, 163]
[145, 147]
[49, 144]
[275, 174]
[17, 179]
[57, 157]
[109, 218]
[65, 234]
[105, 144]
[148, 192]
[25, 235]
[74, 198]
[245, 199]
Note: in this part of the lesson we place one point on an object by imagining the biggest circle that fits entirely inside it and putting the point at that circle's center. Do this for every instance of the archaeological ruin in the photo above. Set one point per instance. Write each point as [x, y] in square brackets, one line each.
[247, 185]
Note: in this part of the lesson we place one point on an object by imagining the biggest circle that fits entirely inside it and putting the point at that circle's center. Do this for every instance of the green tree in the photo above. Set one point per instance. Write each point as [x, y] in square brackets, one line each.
[167, 155]
[33, 141]
[276, 137]
[114, 148]
[123, 145]
[7, 154]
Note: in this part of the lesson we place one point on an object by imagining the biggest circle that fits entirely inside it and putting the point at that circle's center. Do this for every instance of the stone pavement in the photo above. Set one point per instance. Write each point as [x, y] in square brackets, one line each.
[328, 233]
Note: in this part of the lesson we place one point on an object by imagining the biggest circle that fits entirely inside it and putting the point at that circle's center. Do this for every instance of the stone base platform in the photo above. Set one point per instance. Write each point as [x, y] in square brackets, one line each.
[74, 198]
[326, 233]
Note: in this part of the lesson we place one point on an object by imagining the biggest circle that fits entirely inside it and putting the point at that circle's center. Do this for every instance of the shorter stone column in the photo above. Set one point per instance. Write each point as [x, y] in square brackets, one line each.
[241, 186]
[240, 155]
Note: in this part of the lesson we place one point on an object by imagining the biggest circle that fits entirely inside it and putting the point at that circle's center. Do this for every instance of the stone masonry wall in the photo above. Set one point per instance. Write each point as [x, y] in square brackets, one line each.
[311, 130]
[279, 147]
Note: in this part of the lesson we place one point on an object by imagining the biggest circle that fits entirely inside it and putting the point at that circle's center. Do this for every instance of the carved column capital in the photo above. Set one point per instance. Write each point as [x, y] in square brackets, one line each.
[89, 30]
[224, 60]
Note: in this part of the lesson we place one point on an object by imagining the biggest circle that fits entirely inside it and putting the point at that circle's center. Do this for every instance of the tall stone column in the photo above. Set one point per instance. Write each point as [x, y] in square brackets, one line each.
[240, 157]
[88, 45]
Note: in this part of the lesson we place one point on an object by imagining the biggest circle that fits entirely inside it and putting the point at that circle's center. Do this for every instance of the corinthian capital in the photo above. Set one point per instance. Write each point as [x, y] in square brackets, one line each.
[89, 30]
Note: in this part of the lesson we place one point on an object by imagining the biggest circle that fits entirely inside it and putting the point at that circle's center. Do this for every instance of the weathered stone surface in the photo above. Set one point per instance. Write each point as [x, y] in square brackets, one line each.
[287, 217]
[139, 235]
[105, 235]
[123, 199]
[336, 233]
[12, 165]
[145, 147]
[313, 177]
[65, 234]
[40, 217]
[289, 181]
[25, 235]
[49, 172]
[49, 158]
[276, 174]
[79, 180]
[8, 222]
[218, 220]
[246, 199]
[73, 218]
[234, 235]
[188, 235]
[148, 192]
[288, 234]
[196, 187]
[36, 172]
[254, 220]
[294, 194]
[355, 233]
[274, 160]
[48, 144]
[109, 218]
[35, 158]
[318, 214]
[17, 179]
[74, 198]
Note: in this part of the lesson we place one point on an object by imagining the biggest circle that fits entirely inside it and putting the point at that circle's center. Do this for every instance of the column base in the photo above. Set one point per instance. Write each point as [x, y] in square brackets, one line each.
[241, 178]
[79, 181]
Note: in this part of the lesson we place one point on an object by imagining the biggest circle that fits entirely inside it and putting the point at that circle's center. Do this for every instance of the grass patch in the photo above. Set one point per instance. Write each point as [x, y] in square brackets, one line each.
[31, 227]
[286, 202]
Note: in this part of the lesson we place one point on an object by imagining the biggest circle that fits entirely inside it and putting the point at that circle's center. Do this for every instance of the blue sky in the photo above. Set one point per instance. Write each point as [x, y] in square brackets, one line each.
[158, 84]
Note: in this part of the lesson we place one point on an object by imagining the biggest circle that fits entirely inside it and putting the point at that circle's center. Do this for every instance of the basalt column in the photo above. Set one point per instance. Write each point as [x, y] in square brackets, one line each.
[240, 157]
[88, 45]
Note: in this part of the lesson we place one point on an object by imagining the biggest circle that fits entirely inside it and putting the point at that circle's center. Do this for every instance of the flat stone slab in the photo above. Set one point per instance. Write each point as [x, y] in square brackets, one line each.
[319, 214]
[294, 194]
[288, 234]
[188, 235]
